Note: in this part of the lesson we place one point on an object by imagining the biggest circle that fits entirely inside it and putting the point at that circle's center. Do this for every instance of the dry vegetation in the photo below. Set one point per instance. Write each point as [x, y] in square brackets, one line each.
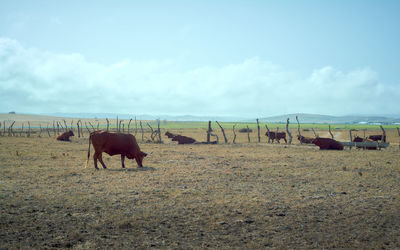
[245, 195]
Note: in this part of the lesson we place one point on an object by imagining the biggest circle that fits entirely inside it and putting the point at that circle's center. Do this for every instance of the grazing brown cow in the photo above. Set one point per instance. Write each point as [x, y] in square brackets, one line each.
[183, 139]
[277, 136]
[169, 134]
[306, 140]
[359, 139]
[327, 144]
[114, 144]
[65, 136]
[377, 138]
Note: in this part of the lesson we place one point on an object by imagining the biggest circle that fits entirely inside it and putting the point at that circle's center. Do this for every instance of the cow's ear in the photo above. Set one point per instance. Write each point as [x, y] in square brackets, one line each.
[143, 154]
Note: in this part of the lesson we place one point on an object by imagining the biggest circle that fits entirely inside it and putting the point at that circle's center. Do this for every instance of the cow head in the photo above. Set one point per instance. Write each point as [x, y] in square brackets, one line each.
[138, 157]
[70, 133]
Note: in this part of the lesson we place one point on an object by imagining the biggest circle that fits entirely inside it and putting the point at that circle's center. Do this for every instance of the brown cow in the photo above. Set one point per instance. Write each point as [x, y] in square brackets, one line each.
[377, 138]
[65, 136]
[114, 144]
[169, 134]
[183, 139]
[306, 140]
[276, 135]
[327, 143]
[359, 139]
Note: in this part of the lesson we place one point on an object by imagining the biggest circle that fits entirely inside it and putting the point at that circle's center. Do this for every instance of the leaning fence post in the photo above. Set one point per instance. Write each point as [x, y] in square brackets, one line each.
[129, 124]
[223, 132]
[330, 132]
[398, 132]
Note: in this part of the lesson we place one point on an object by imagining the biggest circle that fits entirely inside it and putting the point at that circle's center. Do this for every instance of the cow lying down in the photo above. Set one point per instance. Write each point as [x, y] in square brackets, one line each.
[65, 136]
[327, 144]
[181, 139]
[114, 144]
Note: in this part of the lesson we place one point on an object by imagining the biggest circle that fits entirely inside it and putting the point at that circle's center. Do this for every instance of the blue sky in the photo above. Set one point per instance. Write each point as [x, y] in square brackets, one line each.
[241, 58]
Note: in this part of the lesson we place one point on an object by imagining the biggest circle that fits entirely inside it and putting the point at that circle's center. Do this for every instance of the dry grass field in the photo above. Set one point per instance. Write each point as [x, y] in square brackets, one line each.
[244, 195]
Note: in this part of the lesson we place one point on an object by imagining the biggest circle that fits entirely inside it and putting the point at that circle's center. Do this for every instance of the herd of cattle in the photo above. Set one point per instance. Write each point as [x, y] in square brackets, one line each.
[126, 145]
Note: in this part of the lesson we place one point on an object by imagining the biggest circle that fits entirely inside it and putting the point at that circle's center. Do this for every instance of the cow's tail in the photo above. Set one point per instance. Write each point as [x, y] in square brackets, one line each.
[88, 152]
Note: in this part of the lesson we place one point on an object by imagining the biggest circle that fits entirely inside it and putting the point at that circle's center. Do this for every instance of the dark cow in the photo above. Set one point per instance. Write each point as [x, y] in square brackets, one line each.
[114, 144]
[65, 136]
[359, 139]
[277, 136]
[169, 135]
[183, 139]
[306, 140]
[377, 138]
[327, 144]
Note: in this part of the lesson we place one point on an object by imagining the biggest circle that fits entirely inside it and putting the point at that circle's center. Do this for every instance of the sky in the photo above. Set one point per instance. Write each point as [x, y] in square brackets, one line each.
[227, 58]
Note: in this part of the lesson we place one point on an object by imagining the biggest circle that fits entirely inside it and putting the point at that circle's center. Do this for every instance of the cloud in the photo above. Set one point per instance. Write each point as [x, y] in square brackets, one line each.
[37, 81]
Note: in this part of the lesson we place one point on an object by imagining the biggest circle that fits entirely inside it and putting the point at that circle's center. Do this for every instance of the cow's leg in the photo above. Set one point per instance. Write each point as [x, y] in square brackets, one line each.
[95, 155]
[101, 160]
[123, 160]
[285, 140]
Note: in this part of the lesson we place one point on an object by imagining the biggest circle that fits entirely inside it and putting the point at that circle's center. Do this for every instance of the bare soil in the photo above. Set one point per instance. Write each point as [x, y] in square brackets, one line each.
[245, 195]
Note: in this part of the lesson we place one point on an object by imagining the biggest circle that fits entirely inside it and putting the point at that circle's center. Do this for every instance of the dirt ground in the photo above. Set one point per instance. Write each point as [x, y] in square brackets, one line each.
[244, 195]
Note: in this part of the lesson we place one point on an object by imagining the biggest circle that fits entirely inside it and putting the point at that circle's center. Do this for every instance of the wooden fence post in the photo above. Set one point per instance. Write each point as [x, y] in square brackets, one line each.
[22, 130]
[141, 128]
[47, 129]
[209, 131]
[29, 129]
[351, 137]
[135, 126]
[91, 126]
[287, 130]
[4, 128]
[315, 134]
[398, 132]
[129, 124]
[384, 134]
[117, 124]
[39, 135]
[159, 131]
[87, 127]
[223, 132]
[258, 130]
[152, 132]
[79, 132]
[108, 123]
[298, 130]
[54, 128]
[248, 133]
[10, 131]
[66, 127]
[234, 134]
[330, 132]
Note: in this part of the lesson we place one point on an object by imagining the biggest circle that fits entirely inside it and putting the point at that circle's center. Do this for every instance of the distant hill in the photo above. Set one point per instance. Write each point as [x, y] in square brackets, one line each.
[314, 118]
[303, 118]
